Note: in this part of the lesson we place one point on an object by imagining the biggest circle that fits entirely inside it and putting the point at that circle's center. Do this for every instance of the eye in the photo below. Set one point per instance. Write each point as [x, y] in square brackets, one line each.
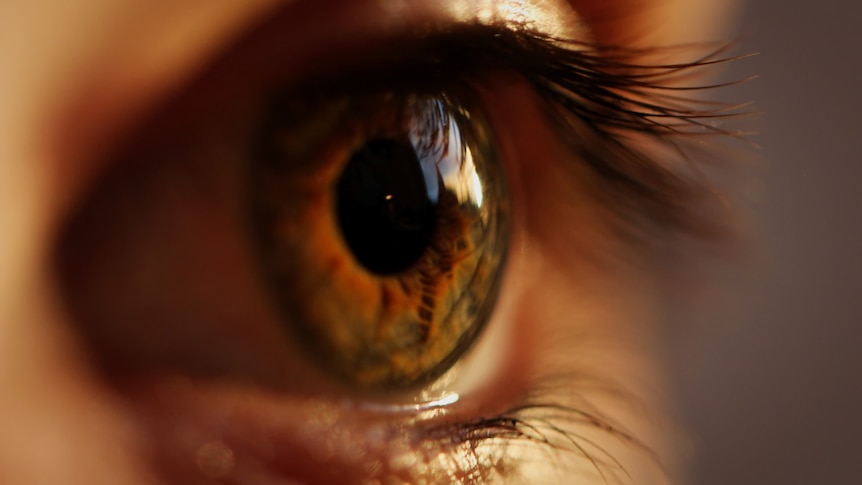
[381, 223]
[400, 249]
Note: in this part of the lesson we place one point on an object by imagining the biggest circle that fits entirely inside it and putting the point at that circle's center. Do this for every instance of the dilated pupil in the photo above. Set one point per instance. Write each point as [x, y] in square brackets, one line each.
[387, 205]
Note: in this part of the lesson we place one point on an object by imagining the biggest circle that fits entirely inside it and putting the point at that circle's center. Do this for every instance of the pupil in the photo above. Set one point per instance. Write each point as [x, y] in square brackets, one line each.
[386, 205]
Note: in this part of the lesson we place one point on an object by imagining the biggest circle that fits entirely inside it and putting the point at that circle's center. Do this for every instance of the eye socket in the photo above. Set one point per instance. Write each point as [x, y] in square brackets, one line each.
[381, 222]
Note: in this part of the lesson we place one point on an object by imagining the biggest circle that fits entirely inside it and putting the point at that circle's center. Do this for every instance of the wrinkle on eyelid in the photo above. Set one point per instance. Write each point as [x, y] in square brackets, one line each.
[551, 17]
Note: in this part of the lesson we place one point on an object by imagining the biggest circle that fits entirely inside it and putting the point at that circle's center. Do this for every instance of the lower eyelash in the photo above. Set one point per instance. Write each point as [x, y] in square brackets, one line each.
[486, 441]
[570, 432]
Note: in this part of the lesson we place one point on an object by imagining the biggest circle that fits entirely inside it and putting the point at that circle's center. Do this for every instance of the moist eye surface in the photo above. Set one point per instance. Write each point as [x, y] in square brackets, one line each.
[382, 227]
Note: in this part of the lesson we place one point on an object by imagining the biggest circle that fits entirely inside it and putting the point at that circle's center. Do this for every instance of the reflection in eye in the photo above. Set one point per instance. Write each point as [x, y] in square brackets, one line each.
[382, 238]
[299, 202]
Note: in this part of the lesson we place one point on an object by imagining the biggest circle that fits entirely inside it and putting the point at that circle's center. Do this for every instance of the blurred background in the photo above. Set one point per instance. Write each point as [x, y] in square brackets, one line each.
[771, 376]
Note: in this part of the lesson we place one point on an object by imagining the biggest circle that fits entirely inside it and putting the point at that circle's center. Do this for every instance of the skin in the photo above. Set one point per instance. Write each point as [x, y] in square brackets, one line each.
[80, 76]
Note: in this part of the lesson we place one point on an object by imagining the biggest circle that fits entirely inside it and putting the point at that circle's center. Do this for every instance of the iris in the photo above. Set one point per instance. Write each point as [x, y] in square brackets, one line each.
[382, 228]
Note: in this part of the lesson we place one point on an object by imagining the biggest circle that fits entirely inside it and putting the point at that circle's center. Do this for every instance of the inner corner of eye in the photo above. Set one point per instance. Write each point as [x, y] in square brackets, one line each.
[383, 249]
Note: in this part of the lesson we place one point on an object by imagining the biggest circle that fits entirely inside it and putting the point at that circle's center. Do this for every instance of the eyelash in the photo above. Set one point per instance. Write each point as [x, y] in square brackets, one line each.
[534, 423]
[602, 91]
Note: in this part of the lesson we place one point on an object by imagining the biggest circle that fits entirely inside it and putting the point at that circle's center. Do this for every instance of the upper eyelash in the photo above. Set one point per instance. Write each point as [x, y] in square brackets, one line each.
[607, 86]
[597, 96]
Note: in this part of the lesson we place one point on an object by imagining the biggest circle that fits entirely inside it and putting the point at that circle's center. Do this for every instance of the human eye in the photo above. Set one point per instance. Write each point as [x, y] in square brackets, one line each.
[222, 274]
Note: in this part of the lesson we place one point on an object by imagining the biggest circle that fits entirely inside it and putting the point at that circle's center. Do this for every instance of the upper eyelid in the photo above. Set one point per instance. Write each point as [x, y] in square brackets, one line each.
[601, 89]
[586, 89]
[306, 35]
[288, 41]
[268, 58]
[147, 85]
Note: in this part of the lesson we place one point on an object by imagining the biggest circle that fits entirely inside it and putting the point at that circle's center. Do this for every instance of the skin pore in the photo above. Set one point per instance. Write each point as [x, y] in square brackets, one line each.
[574, 322]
